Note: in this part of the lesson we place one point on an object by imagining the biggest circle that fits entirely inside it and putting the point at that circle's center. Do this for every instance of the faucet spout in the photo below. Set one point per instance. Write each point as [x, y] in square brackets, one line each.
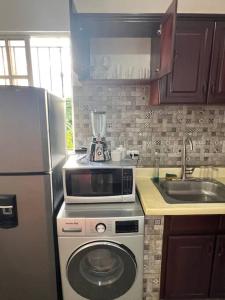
[184, 155]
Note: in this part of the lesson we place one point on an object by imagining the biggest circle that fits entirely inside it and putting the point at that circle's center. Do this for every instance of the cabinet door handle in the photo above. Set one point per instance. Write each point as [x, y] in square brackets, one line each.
[220, 250]
[213, 88]
[210, 249]
[176, 55]
[159, 31]
[204, 89]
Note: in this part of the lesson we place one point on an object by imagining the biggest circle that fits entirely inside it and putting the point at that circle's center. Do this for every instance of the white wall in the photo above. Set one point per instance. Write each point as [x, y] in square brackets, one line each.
[149, 6]
[53, 15]
[34, 15]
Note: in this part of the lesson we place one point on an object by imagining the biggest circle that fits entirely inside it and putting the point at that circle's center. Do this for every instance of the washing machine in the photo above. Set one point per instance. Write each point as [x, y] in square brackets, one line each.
[101, 251]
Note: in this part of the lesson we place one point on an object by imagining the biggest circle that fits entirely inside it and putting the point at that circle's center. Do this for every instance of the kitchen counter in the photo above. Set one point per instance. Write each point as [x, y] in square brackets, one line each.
[154, 204]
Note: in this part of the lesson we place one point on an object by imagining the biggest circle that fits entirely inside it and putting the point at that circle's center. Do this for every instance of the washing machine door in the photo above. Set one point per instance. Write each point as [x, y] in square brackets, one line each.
[101, 270]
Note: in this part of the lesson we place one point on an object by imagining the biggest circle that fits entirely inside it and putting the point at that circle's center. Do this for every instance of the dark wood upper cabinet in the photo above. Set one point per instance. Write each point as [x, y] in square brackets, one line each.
[80, 43]
[189, 261]
[218, 276]
[187, 64]
[162, 52]
[189, 80]
[216, 92]
[85, 27]
[198, 75]
[168, 31]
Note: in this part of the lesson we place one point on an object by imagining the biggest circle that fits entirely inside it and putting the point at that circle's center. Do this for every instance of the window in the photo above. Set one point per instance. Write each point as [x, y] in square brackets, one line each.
[15, 61]
[41, 62]
[51, 64]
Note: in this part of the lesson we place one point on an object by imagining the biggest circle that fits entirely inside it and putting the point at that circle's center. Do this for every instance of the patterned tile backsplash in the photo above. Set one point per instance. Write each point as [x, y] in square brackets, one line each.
[154, 226]
[154, 131]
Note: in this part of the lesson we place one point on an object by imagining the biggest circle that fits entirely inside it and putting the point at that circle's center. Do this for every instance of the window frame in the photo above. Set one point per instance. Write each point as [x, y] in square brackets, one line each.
[10, 76]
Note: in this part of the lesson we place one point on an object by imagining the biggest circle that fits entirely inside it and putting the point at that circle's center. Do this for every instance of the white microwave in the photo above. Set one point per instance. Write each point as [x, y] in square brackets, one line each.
[98, 183]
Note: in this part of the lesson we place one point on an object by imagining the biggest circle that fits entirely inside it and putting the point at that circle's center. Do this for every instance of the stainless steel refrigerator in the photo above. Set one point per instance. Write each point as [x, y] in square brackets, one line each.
[32, 151]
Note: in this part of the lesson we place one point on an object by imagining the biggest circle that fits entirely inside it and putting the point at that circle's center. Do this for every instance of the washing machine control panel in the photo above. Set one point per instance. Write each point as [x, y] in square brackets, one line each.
[99, 226]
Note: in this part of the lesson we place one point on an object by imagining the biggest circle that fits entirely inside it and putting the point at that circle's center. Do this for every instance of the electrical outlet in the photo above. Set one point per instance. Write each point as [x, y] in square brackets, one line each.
[133, 153]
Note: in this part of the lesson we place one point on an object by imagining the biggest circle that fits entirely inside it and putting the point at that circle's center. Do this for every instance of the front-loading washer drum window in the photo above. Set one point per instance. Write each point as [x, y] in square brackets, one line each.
[101, 270]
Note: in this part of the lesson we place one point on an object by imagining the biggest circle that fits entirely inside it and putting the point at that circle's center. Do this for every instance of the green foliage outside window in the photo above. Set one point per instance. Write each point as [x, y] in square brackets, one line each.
[69, 125]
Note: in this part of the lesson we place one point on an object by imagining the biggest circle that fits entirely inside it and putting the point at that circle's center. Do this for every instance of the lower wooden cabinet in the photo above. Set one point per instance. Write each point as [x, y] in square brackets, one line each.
[193, 260]
[189, 260]
[222, 224]
[218, 274]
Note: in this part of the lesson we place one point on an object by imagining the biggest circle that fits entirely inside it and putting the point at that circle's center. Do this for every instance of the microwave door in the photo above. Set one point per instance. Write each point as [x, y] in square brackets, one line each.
[106, 182]
[81, 184]
[102, 184]
[97, 184]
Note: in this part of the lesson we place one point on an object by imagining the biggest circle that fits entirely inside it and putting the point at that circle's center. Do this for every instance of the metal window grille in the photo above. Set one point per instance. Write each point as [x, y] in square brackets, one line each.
[51, 68]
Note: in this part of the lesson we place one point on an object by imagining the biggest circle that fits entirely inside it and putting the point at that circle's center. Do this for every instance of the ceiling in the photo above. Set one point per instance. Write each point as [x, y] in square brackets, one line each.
[148, 6]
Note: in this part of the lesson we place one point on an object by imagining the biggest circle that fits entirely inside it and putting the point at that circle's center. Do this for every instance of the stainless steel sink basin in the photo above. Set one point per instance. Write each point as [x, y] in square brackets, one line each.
[191, 191]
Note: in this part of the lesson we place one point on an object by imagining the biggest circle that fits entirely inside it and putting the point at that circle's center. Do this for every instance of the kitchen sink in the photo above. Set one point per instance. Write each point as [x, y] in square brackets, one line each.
[191, 191]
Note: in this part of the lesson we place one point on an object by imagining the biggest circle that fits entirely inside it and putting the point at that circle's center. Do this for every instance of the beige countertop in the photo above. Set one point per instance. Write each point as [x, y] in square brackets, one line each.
[154, 204]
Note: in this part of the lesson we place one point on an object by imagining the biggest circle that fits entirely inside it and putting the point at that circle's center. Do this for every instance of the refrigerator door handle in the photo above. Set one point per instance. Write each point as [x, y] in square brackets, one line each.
[6, 207]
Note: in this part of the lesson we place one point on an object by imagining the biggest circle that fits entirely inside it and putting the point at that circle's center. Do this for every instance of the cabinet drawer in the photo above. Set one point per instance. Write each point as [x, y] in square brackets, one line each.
[192, 224]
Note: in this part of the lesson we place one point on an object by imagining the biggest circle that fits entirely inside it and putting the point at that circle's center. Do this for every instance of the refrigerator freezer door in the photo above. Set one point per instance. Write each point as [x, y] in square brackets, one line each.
[27, 266]
[24, 139]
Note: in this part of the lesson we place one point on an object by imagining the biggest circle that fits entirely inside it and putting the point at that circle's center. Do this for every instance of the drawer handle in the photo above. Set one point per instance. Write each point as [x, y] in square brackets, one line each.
[72, 229]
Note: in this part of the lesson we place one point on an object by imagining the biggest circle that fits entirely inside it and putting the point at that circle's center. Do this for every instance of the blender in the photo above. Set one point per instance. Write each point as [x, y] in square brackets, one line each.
[99, 151]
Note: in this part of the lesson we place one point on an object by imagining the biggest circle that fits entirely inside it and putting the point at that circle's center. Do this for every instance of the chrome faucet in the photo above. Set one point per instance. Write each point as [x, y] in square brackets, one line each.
[184, 155]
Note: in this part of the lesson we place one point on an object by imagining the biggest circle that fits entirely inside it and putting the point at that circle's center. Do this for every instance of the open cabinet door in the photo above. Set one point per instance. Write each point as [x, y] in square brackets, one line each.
[163, 48]
[168, 31]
